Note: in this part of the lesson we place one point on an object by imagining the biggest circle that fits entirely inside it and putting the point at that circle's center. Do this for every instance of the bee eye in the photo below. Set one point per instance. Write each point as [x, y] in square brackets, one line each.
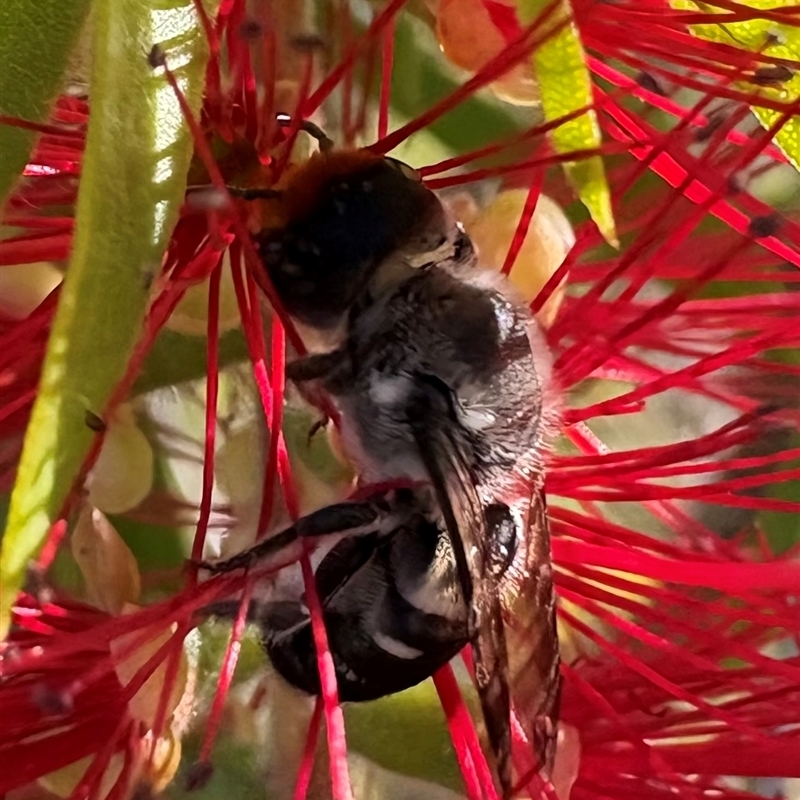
[404, 169]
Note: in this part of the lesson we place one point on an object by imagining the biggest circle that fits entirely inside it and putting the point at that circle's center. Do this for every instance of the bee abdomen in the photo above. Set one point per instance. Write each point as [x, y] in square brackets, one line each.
[369, 663]
[381, 640]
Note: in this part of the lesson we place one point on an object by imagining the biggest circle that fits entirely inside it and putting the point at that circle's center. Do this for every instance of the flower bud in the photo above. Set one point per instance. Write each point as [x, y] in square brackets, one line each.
[24, 286]
[547, 243]
[239, 464]
[144, 704]
[123, 473]
[469, 39]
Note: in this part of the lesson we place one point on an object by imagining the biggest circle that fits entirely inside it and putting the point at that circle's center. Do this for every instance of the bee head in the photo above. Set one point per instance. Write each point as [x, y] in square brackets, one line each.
[344, 214]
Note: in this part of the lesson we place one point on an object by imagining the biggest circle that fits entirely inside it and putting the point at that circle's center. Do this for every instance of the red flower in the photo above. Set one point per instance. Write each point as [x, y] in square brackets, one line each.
[678, 603]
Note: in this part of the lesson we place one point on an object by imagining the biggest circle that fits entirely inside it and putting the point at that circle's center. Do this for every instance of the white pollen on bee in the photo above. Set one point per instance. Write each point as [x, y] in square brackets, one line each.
[505, 318]
[395, 647]
[476, 419]
[429, 599]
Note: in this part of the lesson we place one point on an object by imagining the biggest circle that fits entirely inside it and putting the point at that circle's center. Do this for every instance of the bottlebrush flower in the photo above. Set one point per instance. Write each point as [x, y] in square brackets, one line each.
[672, 491]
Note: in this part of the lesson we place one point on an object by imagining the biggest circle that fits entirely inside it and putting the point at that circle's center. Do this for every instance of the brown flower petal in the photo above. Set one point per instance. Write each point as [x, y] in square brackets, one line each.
[108, 566]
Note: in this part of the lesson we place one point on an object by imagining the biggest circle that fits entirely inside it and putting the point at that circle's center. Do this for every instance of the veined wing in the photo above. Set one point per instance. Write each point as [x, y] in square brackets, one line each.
[443, 451]
[534, 661]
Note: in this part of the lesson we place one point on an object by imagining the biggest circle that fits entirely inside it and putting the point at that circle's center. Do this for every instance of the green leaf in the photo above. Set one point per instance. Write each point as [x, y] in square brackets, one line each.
[132, 183]
[565, 86]
[175, 358]
[406, 733]
[36, 40]
[772, 39]
[314, 451]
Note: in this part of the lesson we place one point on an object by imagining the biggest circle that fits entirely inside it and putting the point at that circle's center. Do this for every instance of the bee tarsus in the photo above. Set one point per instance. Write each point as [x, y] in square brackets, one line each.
[370, 515]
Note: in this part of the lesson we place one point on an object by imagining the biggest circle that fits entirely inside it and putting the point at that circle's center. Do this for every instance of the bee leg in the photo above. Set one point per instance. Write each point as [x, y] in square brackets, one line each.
[311, 128]
[319, 425]
[229, 609]
[315, 367]
[326, 144]
[254, 193]
[348, 519]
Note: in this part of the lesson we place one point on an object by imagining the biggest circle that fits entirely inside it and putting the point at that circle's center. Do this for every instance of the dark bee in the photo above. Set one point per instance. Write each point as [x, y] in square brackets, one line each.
[440, 378]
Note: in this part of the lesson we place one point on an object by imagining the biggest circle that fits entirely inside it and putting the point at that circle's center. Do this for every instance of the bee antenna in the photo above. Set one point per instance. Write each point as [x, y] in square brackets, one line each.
[312, 129]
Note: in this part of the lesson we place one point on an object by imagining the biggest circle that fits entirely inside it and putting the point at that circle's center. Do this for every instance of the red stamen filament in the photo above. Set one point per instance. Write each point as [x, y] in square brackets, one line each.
[474, 769]
[212, 392]
[226, 674]
[307, 760]
[334, 719]
[524, 222]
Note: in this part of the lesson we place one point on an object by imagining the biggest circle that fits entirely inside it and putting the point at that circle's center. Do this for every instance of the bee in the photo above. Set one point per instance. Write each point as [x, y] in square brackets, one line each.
[441, 381]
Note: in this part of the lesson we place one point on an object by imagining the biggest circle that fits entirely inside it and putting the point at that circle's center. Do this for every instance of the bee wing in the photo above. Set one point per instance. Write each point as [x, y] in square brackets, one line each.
[492, 679]
[443, 452]
[534, 667]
